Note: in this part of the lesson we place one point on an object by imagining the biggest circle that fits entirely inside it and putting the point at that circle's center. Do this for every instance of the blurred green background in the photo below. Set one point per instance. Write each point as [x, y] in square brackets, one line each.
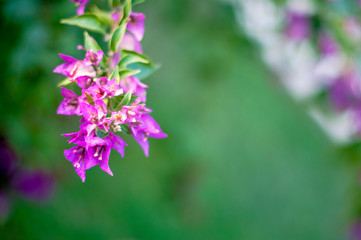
[242, 160]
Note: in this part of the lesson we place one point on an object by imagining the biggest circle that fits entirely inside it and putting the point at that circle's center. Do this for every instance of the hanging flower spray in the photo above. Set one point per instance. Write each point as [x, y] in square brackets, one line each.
[112, 99]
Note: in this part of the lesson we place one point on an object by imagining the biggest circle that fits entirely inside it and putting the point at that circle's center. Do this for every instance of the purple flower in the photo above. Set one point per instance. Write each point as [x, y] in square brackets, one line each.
[70, 104]
[99, 152]
[95, 139]
[84, 82]
[297, 26]
[35, 185]
[115, 17]
[102, 88]
[129, 42]
[95, 117]
[80, 159]
[327, 44]
[345, 92]
[110, 87]
[79, 137]
[136, 25]
[144, 128]
[130, 114]
[94, 114]
[96, 91]
[119, 117]
[115, 60]
[134, 84]
[81, 6]
[117, 143]
[73, 68]
[93, 58]
[92, 151]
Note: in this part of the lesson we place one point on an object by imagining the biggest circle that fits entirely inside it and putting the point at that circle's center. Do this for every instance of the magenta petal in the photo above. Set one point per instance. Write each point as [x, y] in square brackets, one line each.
[84, 70]
[100, 106]
[129, 42]
[62, 69]
[115, 17]
[65, 109]
[70, 134]
[70, 105]
[73, 155]
[81, 8]
[83, 81]
[92, 162]
[81, 171]
[77, 137]
[118, 143]
[153, 127]
[141, 139]
[344, 91]
[89, 111]
[68, 93]
[69, 154]
[115, 60]
[143, 142]
[67, 58]
[104, 164]
[99, 152]
[327, 44]
[88, 128]
[136, 25]
[100, 57]
[297, 26]
[92, 57]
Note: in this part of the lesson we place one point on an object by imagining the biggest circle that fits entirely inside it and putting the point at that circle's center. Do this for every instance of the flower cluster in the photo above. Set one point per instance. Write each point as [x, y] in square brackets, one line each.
[314, 47]
[337, 48]
[111, 99]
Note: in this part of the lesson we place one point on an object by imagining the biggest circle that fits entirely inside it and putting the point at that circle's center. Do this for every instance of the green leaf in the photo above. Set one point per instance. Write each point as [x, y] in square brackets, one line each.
[90, 98]
[127, 72]
[132, 57]
[102, 15]
[88, 21]
[115, 74]
[135, 2]
[90, 43]
[127, 8]
[125, 128]
[126, 99]
[117, 37]
[101, 133]
[121, 100]
[145, 69]
[114, 3]
[65, 82]
[115, 101]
